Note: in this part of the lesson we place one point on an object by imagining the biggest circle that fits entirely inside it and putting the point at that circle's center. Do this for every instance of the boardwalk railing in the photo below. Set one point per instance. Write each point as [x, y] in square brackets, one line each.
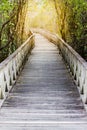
[76, 64]
[11, 67]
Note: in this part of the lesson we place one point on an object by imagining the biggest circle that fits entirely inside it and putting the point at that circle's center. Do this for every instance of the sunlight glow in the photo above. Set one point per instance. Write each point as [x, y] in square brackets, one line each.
[40, 13]
[38, 1]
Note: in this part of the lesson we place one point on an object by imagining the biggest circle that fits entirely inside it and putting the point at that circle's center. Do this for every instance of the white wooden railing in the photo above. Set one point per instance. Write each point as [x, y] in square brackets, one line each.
[76, 64]
[11, 67]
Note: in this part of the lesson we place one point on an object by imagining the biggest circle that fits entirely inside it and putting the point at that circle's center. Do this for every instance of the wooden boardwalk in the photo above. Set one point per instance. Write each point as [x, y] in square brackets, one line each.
[45, 96]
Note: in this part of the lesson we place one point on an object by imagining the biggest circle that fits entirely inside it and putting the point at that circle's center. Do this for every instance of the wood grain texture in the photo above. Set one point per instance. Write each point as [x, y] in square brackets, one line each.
[44, 96]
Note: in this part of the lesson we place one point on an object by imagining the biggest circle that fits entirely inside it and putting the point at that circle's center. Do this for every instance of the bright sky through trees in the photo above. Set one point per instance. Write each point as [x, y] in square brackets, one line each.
[42, 14]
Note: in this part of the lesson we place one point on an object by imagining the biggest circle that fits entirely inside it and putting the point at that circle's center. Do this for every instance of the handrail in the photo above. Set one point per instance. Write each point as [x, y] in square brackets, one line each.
[11, 66]
[76, 64]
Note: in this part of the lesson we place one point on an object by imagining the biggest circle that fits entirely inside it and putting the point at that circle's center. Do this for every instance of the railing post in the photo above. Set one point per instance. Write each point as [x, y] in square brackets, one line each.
[85, 88]
[2, 85]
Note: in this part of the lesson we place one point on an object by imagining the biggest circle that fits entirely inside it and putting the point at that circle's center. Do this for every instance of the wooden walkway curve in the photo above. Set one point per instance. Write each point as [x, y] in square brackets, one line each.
[45, 96]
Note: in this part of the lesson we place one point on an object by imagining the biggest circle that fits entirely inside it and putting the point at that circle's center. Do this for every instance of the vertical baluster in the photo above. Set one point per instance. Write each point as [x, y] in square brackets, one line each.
[14, 69]
[17, 65]
[70, 60]
[75, 64]
[1, 95]
[72, 64]
[82, 79]
[11, 73]
[77, 73]
[2, 85]
[7, 76]
[85, 88]
[6, 87]
[19, 61]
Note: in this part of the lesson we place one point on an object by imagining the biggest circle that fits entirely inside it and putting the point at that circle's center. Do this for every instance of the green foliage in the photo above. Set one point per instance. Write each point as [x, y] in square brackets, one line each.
[73, 17]
[78, 25]
[7, 27]
[12, 25]
[6, 8]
